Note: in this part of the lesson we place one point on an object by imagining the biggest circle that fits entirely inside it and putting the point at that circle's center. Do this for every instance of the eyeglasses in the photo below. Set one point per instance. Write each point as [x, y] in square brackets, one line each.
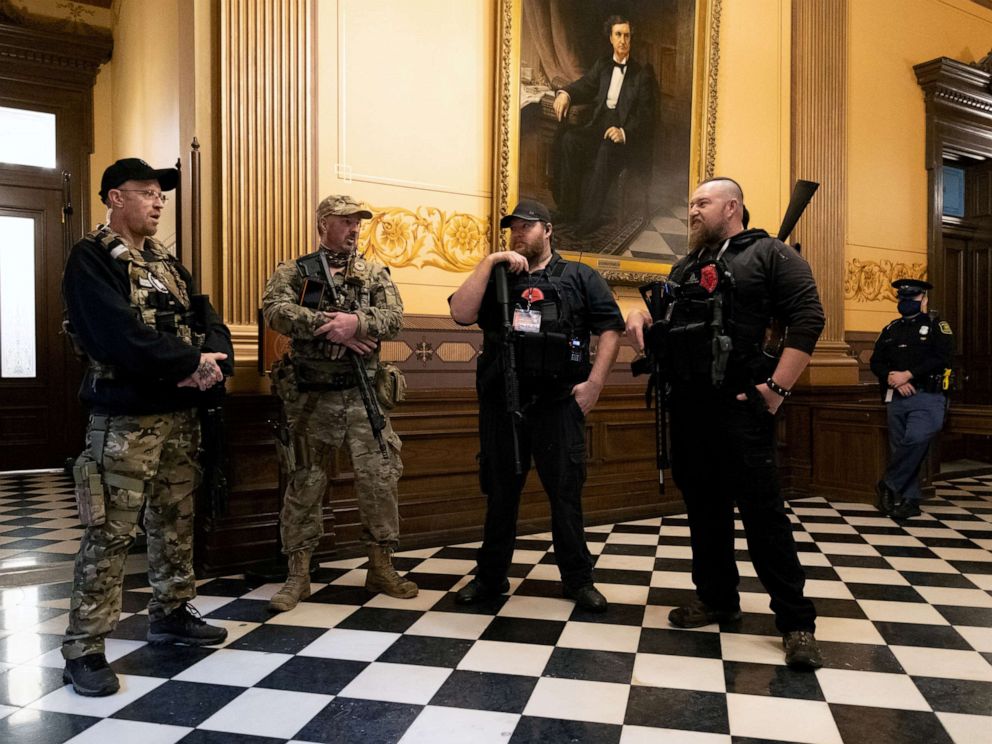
[149, 194]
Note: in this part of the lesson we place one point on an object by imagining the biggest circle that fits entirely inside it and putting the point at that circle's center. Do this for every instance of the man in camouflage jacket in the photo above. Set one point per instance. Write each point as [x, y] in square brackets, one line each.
[322, 402]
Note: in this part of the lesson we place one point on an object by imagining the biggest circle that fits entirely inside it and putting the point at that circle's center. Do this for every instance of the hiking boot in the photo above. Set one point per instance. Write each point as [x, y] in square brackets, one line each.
[696, 615]
[588, 597]
[885, 499]
[382, 577]
[801, 650]
[297, 586]
[185, 626]
[476, 591]
[905, 510]
[91, 676]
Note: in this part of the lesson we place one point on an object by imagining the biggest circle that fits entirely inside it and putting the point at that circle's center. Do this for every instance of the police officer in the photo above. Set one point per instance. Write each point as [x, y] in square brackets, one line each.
[556, 306]
[912, 360]
[154, 347]
[724, 396]
[322, 401]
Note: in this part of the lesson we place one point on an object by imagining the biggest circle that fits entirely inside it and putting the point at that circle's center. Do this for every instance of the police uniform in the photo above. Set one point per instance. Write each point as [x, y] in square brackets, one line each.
[723, 449]
[922, 344]
[131, 312]
[575, 302]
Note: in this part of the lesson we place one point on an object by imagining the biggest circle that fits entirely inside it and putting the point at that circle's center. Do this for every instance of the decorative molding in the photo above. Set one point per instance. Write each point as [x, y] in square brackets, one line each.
[712, 80]
[504, 112]
[426, 236]
[962, 99]
[871, 281]
[267, 190]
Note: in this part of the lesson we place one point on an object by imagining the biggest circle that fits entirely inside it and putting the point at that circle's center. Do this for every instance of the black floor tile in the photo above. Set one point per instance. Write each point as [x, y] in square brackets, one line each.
[679, 643]
[957, 695]
[427, 651]
[538, 588]
[821, 573]
[673, 597]
[246, 610]
[635, 529]
[617, 614]
[858, 561]
[688, 710]
[594, 666]
[752, 623]
[831, 607]
[22, 685]
[885, 592]
[523, 630]
[965, 567]
[201, 736]
[624, 549]
[459, 554]
[917, 634]
[531, 729]
[312, 674]
[503, 693]
[27, 543]
[488, 607]
[770, 679]
[888, 726]
[620, 576]
[673, 564]
[920, 578]
[278, 639]
[862, 657]
[321, 575]
[386, 621]
[134, 628]
[132, 602]
[25, 616]
[12, 647]
[433, 581]
[904, 551]
[42, 727]
[227, 587]
[179, 703]
[341, 594]
[160, 661]
[976, 616]
[24, 522]
[348, 720]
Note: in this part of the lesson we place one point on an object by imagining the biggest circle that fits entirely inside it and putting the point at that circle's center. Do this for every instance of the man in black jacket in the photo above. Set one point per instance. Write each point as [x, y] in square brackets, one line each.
[722, 409]
[909, 360]
[618, 132]
[154, 348]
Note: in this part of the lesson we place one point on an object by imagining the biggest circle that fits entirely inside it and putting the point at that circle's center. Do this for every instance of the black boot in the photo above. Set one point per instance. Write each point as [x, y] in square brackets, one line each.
[587, 596]
[184, 625]
[91, 676]
[905, 510]
[475, 591]
[885, 499]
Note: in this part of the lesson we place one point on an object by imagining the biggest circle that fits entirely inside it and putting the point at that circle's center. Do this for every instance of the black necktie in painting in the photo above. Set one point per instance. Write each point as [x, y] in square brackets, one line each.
[621, 65]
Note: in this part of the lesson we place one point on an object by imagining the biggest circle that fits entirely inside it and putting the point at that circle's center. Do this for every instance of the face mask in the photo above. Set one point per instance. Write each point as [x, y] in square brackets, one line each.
[909, 307]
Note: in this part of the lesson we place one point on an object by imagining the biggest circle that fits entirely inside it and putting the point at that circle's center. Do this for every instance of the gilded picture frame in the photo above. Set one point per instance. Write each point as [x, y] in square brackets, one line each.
[621, 269]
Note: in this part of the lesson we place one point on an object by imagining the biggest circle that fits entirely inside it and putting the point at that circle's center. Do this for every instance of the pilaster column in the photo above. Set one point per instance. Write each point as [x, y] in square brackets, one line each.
[819, 153]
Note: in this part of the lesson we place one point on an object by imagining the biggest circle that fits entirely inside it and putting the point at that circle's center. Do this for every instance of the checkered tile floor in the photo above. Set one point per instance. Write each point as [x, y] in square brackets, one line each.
[905, 624]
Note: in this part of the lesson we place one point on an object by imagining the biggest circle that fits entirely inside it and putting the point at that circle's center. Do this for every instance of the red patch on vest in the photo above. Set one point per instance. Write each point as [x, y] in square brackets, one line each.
[708, 278]
[532, 294]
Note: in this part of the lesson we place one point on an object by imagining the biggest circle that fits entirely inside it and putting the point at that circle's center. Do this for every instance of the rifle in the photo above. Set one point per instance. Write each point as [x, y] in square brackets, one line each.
[509, 353]
[376, 420]
[658, 297]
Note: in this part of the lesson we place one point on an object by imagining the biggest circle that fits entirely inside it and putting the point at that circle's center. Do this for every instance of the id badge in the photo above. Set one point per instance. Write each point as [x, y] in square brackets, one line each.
[526, 321]
[888, 395]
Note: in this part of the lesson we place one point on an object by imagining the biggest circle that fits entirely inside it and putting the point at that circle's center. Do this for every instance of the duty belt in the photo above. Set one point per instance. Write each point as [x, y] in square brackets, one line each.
[342, 381]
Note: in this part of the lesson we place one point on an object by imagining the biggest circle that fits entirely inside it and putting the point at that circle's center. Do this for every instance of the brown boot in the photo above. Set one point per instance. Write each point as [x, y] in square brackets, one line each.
[297, 584]
[382, 577]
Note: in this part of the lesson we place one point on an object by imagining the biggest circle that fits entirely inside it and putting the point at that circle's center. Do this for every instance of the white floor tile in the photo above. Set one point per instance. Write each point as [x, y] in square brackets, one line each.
[538, 608]
[906, 541]
[979, 638]
[600, 637]
[760, 717]
[632, 538]
[942, 662]
[451, 625]
[977, 555]
[525, 557]
[506, 658]
[425, 599]
[847, 630]
[942, 595]
[446, 566]
[625, 562]
[545, 572]
[236, 629]
[313, 615]
[835, 548]
[357, 645]
[679, 672]
[114, 730]
[966, 729]
[441, 725]
[753, 648]
[827, 589]
[6, 710]
[808, 558]
[858, 575]
[672, 579]
[901, 612]
[646, 735]
[876, 689]
[624, 593]
[233, 667]
[397, 683]
[674, 551]
[754, 602]
[65, 700]
[578, 700]
[263, 712]
[928, 565]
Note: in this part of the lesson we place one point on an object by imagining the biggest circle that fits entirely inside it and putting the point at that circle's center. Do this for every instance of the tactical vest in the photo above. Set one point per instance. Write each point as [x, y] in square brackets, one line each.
[159, 295]
[559, 351]
[353, 288]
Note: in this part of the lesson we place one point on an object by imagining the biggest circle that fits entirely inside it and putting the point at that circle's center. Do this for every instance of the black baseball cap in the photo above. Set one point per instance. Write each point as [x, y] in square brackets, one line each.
[527, 209]
[136, 169]
[910, 287]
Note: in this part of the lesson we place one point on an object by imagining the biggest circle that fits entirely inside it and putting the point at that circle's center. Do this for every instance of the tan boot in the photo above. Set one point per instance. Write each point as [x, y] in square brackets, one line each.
[297, 584]
[382, 577]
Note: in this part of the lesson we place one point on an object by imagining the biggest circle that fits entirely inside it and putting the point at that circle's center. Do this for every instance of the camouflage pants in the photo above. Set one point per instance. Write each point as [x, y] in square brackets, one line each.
[159, 451]
[319, 423]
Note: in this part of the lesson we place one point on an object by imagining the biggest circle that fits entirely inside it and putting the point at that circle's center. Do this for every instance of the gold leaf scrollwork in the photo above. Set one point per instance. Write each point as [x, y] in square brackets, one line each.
[426, 236]
[871, 281]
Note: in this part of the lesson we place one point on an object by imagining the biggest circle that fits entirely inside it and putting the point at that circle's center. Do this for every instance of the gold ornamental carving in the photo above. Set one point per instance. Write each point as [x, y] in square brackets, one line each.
[426, 236]
[871, 281]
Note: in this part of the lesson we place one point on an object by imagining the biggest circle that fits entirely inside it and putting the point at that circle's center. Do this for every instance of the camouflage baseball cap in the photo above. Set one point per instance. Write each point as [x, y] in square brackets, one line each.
[342, 205]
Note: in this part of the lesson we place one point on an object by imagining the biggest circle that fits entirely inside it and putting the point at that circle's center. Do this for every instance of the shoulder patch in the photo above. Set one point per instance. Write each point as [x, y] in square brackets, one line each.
[944, 327]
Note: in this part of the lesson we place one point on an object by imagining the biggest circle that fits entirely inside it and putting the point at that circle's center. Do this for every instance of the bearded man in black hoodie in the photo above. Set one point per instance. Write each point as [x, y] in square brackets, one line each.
[723, 410]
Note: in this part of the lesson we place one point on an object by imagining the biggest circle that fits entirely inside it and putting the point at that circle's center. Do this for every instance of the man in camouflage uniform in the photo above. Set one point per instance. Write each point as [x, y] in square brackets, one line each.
[154, 347]
[323, 405]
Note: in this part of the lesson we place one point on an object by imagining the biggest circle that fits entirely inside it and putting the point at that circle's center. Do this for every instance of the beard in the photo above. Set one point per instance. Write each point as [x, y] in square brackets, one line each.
[702, 234]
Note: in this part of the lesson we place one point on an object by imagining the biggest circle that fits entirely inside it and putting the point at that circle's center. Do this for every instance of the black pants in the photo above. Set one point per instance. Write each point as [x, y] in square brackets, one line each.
[584, 157]
[553, 435]
[723, 451]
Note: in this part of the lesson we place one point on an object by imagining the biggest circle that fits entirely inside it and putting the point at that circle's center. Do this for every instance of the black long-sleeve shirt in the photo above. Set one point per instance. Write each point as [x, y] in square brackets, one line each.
[922, 345]
[147, 363]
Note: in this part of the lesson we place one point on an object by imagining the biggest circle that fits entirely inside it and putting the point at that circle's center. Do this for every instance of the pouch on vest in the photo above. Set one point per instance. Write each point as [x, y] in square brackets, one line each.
[90, 496]
[390, 386]
[283, 375]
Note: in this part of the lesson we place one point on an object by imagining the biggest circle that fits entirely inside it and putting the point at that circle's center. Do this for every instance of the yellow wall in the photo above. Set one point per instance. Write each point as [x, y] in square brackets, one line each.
[887, 187]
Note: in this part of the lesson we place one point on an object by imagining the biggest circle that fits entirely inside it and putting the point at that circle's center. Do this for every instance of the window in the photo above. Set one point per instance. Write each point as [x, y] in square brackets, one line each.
[18, 354]
[27, 137]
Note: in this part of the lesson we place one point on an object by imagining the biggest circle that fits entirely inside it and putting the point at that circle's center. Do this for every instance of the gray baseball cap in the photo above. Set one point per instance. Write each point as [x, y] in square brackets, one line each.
[342, 205]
